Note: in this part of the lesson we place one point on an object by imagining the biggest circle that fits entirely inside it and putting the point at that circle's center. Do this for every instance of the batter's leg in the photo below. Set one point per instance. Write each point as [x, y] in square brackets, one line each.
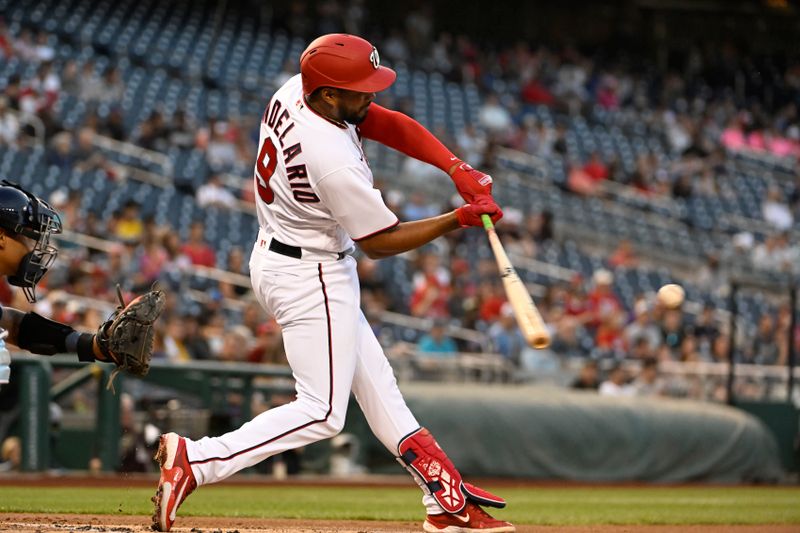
[384, 407]
[318, 311]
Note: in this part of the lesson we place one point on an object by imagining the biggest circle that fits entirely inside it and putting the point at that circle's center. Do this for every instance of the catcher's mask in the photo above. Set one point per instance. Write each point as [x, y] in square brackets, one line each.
[24, 214]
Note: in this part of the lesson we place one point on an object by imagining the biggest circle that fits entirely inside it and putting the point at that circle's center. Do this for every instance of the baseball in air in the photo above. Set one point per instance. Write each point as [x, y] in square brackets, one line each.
[671, 295]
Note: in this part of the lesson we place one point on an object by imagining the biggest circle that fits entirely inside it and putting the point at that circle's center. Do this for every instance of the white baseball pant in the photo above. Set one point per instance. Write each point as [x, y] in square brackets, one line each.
[331, 350]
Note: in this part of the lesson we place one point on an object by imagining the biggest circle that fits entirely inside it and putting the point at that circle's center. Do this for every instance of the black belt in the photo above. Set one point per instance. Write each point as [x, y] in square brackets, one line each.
[294, 251]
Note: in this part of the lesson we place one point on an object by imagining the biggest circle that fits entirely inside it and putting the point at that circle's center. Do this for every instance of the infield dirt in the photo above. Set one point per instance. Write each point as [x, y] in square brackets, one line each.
[42, 523]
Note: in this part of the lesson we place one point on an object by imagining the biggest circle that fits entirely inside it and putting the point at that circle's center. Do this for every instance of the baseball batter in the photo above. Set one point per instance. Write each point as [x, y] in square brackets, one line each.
[315, 199]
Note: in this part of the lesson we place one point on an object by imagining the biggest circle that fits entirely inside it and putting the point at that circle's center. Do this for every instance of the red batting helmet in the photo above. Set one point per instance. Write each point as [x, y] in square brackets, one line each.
[345, 62]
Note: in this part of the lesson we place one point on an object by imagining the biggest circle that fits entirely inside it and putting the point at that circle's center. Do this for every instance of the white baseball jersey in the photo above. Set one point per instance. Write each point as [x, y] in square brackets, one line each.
[314, 187]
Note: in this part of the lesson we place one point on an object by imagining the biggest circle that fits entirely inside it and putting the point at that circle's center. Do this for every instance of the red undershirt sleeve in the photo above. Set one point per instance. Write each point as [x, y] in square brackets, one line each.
[405, 135]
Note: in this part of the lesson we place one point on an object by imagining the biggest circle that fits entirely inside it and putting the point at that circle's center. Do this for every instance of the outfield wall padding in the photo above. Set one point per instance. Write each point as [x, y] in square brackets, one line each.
[552, 433]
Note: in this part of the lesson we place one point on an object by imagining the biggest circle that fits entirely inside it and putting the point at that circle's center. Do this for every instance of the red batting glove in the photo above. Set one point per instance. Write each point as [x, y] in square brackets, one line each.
[470, 214]
[470, 182]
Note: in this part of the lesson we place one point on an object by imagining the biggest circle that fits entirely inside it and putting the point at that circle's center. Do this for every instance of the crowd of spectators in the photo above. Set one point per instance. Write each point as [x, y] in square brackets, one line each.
[694, 106]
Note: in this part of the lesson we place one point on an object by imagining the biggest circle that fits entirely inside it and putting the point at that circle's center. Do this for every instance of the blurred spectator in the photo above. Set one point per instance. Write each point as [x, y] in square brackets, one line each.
[471, 144]
[624, 256]
[688, 350]
[648, 383]
[431, 288]
[540, 226]
[59, 153]
[601, 299]
[237, 342]
[90, 86]
[195, 341]
[25, 47]
[253, 317]
[640, 349]
[394, 47]
[672, 331]
[588, 377]
[775, 253]
[181, 131]
[507, 339]
[235, 264]
[86, 157]
[764, 349]
[221, 150]
[112, 88]
[44, 52]
[174, 340]
[46, 86]
[129, 227]
[643, 328]
[711, 278]
[113, 125]
[151, 259]
[152, 134]
[776, 211]
[118, 266]
[13, 91]
[492, 297]
[493, 116]
[419, 207]
[177, 263]
[705, 329]
[6, 41]
[608, 337]
[580, 182]
[9, 125]
[268, 347]
[197, 249]
[70, 77]
[214, 194]
[436, 342]
[595, 168]
[616, 383]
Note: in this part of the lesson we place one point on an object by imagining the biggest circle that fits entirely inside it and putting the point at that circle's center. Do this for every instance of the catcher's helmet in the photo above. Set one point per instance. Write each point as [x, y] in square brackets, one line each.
[345, 62]
[22, 213]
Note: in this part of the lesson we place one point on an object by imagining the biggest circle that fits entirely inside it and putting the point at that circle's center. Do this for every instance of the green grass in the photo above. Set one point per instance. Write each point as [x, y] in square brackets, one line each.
[551, 506]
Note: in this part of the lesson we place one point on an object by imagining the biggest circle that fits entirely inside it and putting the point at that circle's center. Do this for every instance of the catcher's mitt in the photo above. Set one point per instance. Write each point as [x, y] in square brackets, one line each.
[126, 338]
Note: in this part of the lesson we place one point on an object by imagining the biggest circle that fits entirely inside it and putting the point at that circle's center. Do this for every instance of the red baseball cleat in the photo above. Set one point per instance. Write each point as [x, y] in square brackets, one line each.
[176, 483]
[471, 519]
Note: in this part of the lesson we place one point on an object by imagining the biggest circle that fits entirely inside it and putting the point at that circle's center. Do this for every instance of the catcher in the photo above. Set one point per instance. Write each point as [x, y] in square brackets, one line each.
[125, 339]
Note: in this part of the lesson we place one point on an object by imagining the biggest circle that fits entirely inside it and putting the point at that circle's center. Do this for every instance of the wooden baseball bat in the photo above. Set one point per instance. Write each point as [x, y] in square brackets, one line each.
[525, 311]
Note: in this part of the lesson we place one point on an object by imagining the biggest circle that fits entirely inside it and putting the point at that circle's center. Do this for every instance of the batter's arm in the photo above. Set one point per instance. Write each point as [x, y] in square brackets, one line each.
[408, 235]
[404, 134]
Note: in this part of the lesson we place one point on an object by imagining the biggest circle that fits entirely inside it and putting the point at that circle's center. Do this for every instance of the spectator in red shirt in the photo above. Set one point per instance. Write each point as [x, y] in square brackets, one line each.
[602, 300]
[535, 92]
[431, 289]
[624, 256]
[492, 298]
[197, 249]
[596, 168]
[6, 46]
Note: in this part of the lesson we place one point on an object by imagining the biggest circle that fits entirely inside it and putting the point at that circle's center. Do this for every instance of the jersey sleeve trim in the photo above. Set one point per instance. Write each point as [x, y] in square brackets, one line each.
[396, 222]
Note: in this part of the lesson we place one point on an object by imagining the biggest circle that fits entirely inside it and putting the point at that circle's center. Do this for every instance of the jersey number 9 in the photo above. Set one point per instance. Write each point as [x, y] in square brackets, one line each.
[265, 168]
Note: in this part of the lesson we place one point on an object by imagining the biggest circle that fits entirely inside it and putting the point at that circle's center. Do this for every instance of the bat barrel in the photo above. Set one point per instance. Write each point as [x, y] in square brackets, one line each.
[539, 341]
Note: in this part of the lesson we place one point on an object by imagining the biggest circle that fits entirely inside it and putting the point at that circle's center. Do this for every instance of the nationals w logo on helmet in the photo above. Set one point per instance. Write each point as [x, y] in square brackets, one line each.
[374, 58]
